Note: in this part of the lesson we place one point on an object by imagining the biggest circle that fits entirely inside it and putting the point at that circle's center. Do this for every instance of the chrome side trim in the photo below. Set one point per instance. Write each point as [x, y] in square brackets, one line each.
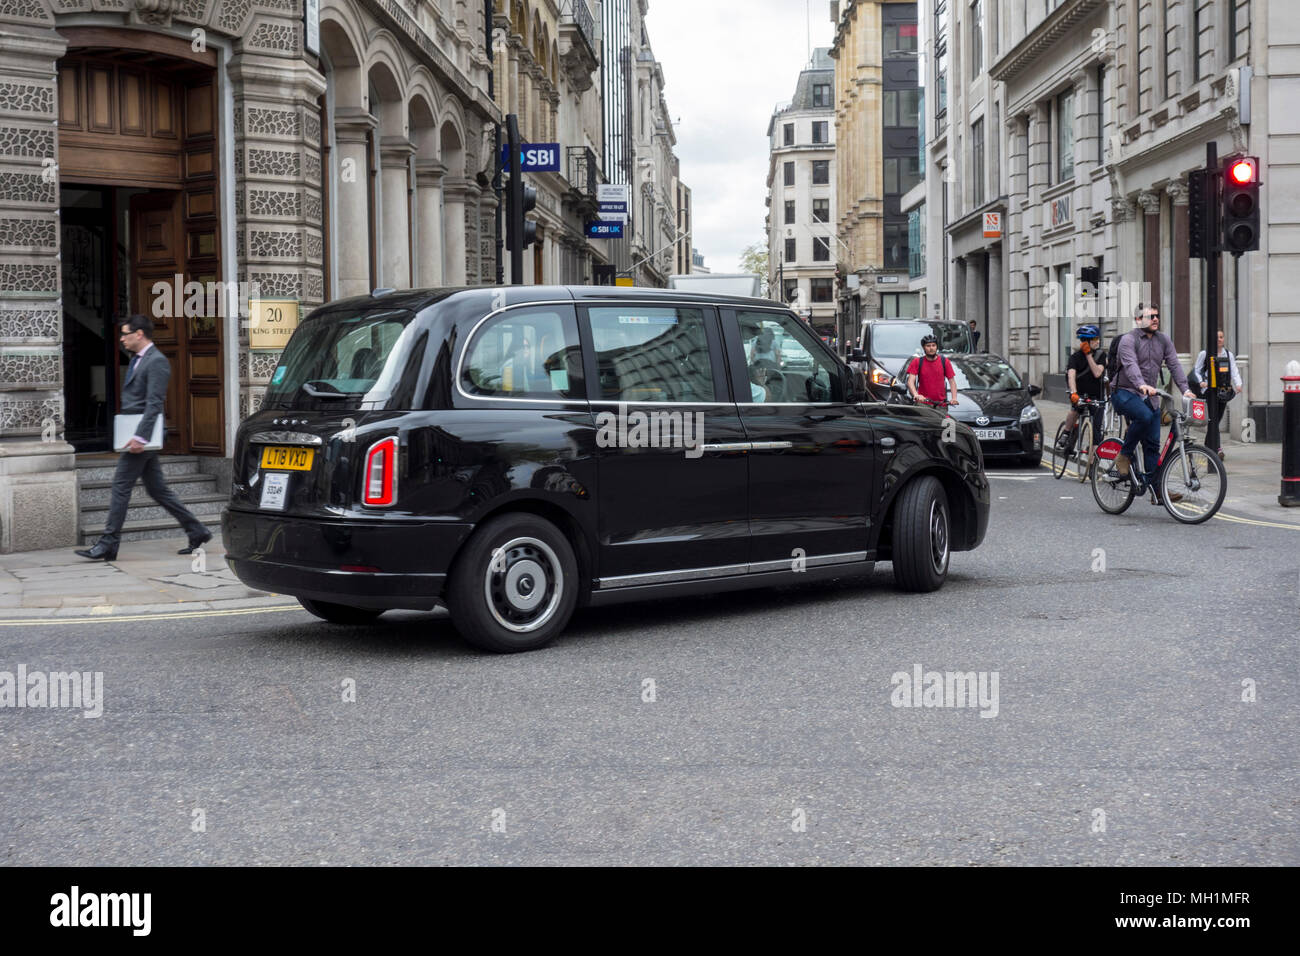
[664, 577]
[727, 570]
[284, 438]
[772, 445]
[814, 561]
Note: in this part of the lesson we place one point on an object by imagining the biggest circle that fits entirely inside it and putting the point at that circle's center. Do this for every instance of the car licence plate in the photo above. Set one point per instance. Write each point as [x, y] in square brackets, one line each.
[274, 492]
[991, 434]
[287, 458]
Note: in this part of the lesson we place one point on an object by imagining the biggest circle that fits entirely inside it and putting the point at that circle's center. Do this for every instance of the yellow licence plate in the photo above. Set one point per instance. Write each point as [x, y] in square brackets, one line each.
[285, 458]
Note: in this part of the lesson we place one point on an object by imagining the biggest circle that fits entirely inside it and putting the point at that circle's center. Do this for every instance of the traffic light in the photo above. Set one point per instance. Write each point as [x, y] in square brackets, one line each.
[1200, 186]
[1241, 205]
[529, 202]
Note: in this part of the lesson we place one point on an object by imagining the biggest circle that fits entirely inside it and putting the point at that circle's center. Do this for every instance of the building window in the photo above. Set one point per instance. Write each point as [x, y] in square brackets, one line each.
[977, 161]
[901, 174]
[1238, 28]
[791, 290]
[1065, 136]
[940, 61]
[1203, 41]
[789, 174]
[821, 249]
[823, 290]
[916, 242]
[902, 107]
[821, 95]
[896, 244]
[789, 212]
[976, 38]
[821, 132]
[788, 134]
[821, 172]
[898, 38]
[789, 250]
[821, 210]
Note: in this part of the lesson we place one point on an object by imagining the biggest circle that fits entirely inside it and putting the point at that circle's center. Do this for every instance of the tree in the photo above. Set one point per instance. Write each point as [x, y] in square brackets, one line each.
[753, 258]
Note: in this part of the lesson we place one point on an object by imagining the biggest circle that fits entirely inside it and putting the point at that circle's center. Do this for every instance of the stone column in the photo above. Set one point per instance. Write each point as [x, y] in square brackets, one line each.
[1182, 316]
[974, 305]
[38, 484]
[996, 333]
[960, 267]
[395, 163]
[455, 194]
[1150, 203]
[429, 222]
[352, 205]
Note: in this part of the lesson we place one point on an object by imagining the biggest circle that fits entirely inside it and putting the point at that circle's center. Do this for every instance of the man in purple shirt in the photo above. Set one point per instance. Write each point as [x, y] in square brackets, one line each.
[1141, 353]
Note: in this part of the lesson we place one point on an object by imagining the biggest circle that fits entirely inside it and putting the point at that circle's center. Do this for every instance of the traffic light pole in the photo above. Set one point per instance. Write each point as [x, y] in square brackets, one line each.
[1209, 383]
[515, 203]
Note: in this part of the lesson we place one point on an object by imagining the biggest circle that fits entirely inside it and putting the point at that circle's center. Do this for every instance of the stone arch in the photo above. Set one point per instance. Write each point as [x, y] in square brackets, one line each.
[519, 19]
[382, 79]
[429, 172]
[339, 51]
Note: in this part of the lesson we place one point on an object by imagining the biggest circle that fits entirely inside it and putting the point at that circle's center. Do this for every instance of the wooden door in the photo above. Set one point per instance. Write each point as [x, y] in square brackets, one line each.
[158, 255]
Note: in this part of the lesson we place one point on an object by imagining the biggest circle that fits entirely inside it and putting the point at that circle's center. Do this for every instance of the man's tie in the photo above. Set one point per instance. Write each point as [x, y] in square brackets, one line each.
[130, 371]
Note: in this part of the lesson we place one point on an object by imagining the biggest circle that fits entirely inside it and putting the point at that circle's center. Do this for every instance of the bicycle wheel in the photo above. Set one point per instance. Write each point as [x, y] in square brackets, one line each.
[1202, 490]
[1060, 455]
[1112, 492]
[1083, 450]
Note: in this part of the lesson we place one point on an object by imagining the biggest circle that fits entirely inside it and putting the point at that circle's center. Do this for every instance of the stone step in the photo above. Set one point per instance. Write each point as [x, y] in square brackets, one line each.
[147, 529]
[201, 504]
[101, 492]
[102, 467]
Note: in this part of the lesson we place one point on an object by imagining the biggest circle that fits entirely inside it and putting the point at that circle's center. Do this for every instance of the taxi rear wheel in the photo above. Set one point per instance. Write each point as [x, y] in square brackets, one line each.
[514, 586]
[340, 613]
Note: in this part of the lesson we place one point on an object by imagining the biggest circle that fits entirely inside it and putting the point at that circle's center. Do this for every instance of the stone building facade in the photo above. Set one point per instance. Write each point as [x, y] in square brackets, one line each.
[224, 142]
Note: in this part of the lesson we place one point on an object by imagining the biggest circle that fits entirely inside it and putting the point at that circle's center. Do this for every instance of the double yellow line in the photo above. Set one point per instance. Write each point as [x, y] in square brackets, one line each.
[122, 618]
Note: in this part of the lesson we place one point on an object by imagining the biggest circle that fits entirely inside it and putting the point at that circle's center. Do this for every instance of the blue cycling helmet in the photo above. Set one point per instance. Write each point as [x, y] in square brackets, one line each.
[1088, 332]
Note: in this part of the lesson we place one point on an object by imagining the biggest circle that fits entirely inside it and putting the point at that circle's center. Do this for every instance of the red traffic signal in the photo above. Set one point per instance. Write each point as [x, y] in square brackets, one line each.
[1242, 172]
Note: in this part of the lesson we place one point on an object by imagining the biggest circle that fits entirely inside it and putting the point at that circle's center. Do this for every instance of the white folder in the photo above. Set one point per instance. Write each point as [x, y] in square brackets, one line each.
[124, 429]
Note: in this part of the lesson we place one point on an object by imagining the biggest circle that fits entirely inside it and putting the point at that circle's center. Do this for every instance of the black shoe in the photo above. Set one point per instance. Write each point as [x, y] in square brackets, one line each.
[100, 552]
[197, 542]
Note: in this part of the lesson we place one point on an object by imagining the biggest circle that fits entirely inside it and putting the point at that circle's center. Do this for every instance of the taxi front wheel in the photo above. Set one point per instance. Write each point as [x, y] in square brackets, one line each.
[515, 585]
[921, 535]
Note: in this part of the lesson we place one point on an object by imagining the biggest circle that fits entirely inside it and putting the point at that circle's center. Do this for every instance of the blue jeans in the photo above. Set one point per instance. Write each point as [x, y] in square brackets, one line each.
[1145, 428]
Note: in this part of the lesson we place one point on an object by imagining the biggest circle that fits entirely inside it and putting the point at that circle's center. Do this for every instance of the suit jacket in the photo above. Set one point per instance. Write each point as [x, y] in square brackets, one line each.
[146, 392]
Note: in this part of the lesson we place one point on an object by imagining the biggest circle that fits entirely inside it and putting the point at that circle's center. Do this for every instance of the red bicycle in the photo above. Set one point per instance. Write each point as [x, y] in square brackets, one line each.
[1190, 478]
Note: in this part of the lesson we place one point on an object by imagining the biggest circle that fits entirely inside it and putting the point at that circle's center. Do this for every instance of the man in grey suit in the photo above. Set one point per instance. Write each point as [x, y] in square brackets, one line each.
[143, 394]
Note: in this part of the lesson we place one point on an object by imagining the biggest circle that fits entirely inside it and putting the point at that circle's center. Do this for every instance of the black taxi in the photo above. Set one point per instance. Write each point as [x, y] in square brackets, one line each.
[514, 453]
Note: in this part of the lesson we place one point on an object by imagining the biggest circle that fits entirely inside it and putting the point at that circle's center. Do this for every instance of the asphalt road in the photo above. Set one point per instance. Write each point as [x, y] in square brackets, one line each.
[1120, 735]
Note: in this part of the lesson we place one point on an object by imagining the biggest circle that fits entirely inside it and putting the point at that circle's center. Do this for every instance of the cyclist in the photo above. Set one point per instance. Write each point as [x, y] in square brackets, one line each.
[1142, 353]
[1085, 373]
[926, 376]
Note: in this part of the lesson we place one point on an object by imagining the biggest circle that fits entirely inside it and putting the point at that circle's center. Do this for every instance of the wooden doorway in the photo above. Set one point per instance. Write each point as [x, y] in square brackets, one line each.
[138, 111]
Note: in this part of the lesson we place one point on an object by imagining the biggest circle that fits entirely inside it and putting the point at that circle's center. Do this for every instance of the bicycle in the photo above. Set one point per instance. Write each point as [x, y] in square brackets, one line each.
[1189, 478]
[1080, 445]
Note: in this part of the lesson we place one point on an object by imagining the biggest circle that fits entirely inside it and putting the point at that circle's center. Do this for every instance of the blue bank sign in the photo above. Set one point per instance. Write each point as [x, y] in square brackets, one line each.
[598, 229]
[535, 158]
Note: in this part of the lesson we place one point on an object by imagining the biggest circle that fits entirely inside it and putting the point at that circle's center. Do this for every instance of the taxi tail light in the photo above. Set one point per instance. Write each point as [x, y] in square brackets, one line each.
[380, 479]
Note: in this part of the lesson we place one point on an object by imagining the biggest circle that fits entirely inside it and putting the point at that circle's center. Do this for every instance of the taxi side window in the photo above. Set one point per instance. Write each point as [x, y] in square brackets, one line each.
[783, 363]
[525, 353]
[652, 354]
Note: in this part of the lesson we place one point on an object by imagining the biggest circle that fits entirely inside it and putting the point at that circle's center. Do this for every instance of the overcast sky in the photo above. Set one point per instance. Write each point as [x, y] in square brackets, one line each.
[727, 63]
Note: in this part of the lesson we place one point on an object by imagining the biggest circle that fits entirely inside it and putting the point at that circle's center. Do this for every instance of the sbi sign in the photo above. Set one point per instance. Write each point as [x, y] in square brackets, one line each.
[535, 158]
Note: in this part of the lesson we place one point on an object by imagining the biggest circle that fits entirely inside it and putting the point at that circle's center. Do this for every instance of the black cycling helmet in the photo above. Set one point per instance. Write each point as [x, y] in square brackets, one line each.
[929, 340]
[1088, 332]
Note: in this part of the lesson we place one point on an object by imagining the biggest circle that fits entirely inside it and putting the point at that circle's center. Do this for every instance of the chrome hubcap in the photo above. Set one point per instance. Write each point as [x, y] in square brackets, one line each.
[938, 537]
[523, 584]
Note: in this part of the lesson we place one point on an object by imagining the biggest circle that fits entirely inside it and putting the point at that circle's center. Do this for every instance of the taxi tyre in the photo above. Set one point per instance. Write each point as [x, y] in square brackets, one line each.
[922, 536]
[340, 613]
[503, 563]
